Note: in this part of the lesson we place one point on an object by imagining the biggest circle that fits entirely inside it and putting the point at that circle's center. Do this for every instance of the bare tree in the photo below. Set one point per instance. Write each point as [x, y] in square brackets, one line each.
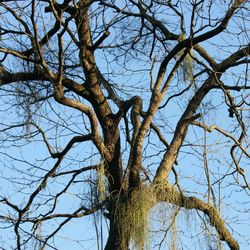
[119, 110]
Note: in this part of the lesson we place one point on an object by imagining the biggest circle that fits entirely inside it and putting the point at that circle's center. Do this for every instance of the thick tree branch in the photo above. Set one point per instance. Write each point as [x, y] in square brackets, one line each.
[167, 193]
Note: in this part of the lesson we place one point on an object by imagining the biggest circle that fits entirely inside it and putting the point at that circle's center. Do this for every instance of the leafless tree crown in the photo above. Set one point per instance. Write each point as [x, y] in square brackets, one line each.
[130, 112]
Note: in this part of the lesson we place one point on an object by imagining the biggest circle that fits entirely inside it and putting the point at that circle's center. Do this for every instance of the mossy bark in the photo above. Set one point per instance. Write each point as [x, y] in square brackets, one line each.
[115, 239]
[129, 220]
[118, 239]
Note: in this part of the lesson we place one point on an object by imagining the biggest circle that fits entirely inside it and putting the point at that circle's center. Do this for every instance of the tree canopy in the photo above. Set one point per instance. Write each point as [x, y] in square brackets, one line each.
[133, 113]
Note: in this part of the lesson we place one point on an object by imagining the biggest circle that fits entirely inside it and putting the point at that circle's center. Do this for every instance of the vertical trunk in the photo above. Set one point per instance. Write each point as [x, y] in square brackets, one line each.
[114, 170]
[116, 239]
[118, 235]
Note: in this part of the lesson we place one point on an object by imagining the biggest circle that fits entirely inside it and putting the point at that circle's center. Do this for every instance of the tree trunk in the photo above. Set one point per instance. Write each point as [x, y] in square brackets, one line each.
[117, 239]
[118, 233]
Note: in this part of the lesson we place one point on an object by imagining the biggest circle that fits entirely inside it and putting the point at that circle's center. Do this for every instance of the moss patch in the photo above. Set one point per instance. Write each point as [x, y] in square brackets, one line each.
[132, 216]
[101, 182]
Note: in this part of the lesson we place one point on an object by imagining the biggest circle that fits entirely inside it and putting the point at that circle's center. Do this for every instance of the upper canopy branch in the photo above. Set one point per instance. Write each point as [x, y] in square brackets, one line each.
[224, 132]
[187, 117]
[198, 39]
[154, 22]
